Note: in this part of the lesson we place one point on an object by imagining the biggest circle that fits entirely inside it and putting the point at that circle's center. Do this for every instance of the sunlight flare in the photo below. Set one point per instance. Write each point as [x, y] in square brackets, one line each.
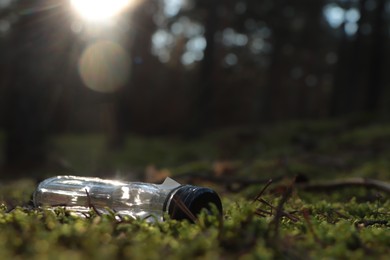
[99, 10]
[104, 66]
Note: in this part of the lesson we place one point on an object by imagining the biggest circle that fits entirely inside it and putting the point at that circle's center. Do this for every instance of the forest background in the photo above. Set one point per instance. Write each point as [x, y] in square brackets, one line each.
[185, 67]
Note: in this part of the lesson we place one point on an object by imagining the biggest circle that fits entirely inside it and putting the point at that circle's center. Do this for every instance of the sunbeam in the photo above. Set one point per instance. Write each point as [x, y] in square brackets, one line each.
[99, 10]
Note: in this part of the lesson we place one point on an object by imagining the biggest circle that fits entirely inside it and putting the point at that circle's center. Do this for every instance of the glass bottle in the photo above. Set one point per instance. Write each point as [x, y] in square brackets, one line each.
[135, 199]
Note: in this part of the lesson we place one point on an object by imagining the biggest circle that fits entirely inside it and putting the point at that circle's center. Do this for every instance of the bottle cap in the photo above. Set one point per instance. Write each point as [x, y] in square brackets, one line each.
[194, 199]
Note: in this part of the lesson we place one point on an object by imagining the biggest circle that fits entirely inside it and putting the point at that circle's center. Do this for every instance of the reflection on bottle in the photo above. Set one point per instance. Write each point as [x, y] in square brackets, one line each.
[135, 199]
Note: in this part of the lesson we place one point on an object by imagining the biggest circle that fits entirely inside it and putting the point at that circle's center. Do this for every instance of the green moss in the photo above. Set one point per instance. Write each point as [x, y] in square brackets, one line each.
[325, 234]
[345, 223]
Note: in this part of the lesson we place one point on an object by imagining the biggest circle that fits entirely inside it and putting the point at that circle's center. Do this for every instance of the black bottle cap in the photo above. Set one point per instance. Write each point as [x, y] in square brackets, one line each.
[194, 199]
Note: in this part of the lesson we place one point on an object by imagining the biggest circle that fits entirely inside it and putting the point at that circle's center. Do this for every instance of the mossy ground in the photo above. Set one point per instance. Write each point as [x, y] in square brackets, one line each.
[348, 223]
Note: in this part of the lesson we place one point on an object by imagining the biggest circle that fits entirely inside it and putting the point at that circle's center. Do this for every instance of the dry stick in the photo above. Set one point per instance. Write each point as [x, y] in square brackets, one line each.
[184, 208]
[366, 223]
[340, 214]
[344, 183]
[228, 181]
[261, 212]
[284, 213]
[305, 214]
[245, 182]
[90, 205]
[262, 191]
[220, 227]
[279, 211]
[264, 213]
[267, 203]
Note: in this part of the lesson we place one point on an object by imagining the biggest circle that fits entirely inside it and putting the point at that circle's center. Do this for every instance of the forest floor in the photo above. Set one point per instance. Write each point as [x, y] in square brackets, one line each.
[329, 196]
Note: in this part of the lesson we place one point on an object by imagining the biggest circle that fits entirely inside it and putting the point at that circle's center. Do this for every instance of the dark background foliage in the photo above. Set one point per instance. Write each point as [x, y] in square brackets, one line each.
[185, 67]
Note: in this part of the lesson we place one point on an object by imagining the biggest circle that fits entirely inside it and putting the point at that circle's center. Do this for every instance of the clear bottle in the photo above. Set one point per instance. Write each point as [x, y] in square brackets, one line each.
[134, 199]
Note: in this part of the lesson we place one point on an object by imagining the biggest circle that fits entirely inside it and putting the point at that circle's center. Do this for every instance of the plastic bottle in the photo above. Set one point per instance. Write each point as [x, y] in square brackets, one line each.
[135, 199]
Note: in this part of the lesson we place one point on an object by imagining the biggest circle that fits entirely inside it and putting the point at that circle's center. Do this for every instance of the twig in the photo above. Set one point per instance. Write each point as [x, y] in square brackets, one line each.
[232, 183]
[279, 211]
[305, 214]
[184, 208]
[262, 191]
[340, 214]
[90, 205]
[366, 223]
[345, 183]
[284, 213]
[262, 212]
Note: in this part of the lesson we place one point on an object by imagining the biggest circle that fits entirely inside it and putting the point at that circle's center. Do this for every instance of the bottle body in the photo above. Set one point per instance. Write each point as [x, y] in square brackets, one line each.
[134, 199]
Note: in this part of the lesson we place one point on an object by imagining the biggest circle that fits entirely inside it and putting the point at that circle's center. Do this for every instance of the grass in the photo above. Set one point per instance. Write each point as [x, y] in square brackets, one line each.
[339, 224]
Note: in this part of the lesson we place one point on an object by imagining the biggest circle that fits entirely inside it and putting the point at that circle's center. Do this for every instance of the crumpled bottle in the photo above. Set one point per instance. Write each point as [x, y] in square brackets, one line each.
[135, 199]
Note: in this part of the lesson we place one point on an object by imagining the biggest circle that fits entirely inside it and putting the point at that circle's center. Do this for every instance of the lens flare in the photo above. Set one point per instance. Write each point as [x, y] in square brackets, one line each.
[99, 10]
[104, 66]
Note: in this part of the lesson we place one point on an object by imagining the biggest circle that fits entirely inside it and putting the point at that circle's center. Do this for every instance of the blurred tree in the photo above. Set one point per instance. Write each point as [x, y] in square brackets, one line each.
[39, 44]
[359, 84]
[137, 100]
[203, 108]
[297, 46]
[376, 64]
[348, 73]
[194, 65]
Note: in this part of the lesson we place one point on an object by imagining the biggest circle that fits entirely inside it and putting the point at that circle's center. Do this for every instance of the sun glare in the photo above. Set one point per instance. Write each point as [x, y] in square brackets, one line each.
[99, 10]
